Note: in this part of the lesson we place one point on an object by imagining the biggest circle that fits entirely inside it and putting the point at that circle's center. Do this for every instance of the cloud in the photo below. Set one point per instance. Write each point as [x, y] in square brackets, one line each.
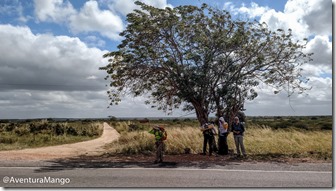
[46, 62]
[13, 8]
[316, 101]
[91, 19]
[316, 14]
[254, 11]
[94, 41]
[42, 75]
[322, 49]
[126, 6]
[304, 17]
[53, 10]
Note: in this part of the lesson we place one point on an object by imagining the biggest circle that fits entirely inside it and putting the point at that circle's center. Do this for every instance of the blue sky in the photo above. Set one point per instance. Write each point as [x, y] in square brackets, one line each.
[52, 49]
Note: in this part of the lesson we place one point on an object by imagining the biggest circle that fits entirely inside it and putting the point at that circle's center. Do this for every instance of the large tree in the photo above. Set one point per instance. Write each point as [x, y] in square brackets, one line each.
[201, 58]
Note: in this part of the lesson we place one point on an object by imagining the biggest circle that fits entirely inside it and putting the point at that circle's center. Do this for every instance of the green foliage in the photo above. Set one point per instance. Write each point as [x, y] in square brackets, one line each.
[303, 123]
[200, 57]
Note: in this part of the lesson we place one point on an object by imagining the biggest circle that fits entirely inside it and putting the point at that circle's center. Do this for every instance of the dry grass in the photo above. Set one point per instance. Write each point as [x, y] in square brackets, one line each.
[259, 142]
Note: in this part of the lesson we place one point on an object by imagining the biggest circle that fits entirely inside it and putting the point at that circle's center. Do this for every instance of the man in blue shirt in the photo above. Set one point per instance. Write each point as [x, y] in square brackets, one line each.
[238, 134]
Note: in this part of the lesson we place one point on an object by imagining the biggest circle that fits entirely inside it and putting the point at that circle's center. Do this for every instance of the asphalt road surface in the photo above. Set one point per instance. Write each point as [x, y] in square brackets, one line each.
[167, 175]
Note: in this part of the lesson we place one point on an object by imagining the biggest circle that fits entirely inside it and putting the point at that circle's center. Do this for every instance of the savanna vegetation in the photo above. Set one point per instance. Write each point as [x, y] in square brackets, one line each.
[38, 133]
[265, 137]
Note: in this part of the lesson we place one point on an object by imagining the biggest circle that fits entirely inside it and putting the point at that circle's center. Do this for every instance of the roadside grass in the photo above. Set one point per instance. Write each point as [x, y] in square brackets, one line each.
[33, 134]
[260, 141]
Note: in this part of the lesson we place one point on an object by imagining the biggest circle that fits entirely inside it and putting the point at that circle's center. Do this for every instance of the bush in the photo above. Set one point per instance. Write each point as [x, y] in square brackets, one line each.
[20, 131]
[325, 126]
[136, 127]
[59, 129]
[8, 139]
[301, 125]
[282, 125]
[71, 131]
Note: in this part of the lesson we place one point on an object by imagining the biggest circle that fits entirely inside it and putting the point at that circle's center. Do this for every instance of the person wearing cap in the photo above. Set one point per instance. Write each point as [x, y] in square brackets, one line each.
[208, 137]
[222, 138]
[160, 135]
[238, 135]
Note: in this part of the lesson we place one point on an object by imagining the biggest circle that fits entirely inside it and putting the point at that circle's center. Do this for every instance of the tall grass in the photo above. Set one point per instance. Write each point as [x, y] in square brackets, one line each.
[259, 141]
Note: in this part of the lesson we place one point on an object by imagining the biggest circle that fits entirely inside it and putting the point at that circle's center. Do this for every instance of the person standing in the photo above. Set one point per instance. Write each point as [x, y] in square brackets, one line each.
[222, 138]
[208, 137]
[238, 134]
[160, 136]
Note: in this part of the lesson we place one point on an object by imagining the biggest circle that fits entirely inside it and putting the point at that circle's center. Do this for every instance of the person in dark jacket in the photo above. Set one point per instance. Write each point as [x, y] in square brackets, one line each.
[208, 137]
[238, 134]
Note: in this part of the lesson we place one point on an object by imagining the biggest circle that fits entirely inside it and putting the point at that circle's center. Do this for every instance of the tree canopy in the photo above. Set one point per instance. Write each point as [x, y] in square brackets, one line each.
[202, 59]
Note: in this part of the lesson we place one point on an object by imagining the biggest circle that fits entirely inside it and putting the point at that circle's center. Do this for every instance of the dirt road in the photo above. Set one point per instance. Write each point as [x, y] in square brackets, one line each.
[91, 147]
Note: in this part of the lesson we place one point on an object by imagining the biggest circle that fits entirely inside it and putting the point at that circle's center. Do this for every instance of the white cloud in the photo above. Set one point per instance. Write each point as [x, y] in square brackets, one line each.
[49, 76]
[91, 19]
[62, 62]
[316, 14]
[14, 8]
[254, 11]
[316, 101]
[304, 17]
[94, 41]
[322, 49]
[53, 10]
[126, 6]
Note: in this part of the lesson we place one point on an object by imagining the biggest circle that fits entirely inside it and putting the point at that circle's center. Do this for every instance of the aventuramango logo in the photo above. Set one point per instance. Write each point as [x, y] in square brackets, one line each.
[35, 180]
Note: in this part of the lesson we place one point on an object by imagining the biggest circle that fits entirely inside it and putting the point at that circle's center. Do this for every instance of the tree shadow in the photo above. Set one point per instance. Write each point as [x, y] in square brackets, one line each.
[105, 162]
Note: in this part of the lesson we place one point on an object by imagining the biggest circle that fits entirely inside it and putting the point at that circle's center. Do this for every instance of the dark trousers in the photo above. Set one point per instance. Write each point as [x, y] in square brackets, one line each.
[208, 139]
[222, 145]
[159, 151]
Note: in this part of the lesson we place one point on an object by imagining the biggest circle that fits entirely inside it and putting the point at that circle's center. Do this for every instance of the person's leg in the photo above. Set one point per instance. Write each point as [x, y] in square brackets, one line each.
[210, 145]
[204, 144]
[157, 144]
[236, 138]
[225, 145]
[220, 145]
[214, 145]
[160, 151]
[242, 145]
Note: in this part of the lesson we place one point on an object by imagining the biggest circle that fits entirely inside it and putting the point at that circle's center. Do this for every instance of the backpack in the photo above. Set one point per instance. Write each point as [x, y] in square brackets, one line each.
[164, 133]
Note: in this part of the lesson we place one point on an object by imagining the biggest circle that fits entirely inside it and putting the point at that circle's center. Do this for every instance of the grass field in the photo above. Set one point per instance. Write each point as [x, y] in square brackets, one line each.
[20, 135]
[264, 137]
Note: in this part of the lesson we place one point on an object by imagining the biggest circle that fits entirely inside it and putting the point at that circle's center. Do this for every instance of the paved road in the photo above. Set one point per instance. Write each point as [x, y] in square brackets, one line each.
[38, 174]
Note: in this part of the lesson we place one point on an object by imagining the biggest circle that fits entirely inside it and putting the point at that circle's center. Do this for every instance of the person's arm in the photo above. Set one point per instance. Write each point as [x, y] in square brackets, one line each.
[151, 131]
[243, 128]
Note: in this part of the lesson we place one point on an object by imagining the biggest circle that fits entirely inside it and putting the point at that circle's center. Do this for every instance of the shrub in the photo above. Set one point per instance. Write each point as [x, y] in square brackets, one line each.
[59, 129]
[301, 125]
[20, 131]
[7, 139]
[71, 131]
[326, 126]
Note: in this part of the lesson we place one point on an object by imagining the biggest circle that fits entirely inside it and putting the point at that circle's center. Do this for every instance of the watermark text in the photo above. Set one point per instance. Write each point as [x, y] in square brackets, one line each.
[35, 180]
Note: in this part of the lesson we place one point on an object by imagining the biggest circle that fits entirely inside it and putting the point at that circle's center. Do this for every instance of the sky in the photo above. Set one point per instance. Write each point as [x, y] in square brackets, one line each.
[51, 51]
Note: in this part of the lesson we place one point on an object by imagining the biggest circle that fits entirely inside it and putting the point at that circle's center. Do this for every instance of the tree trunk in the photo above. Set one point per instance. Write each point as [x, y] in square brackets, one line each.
[201, 113]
